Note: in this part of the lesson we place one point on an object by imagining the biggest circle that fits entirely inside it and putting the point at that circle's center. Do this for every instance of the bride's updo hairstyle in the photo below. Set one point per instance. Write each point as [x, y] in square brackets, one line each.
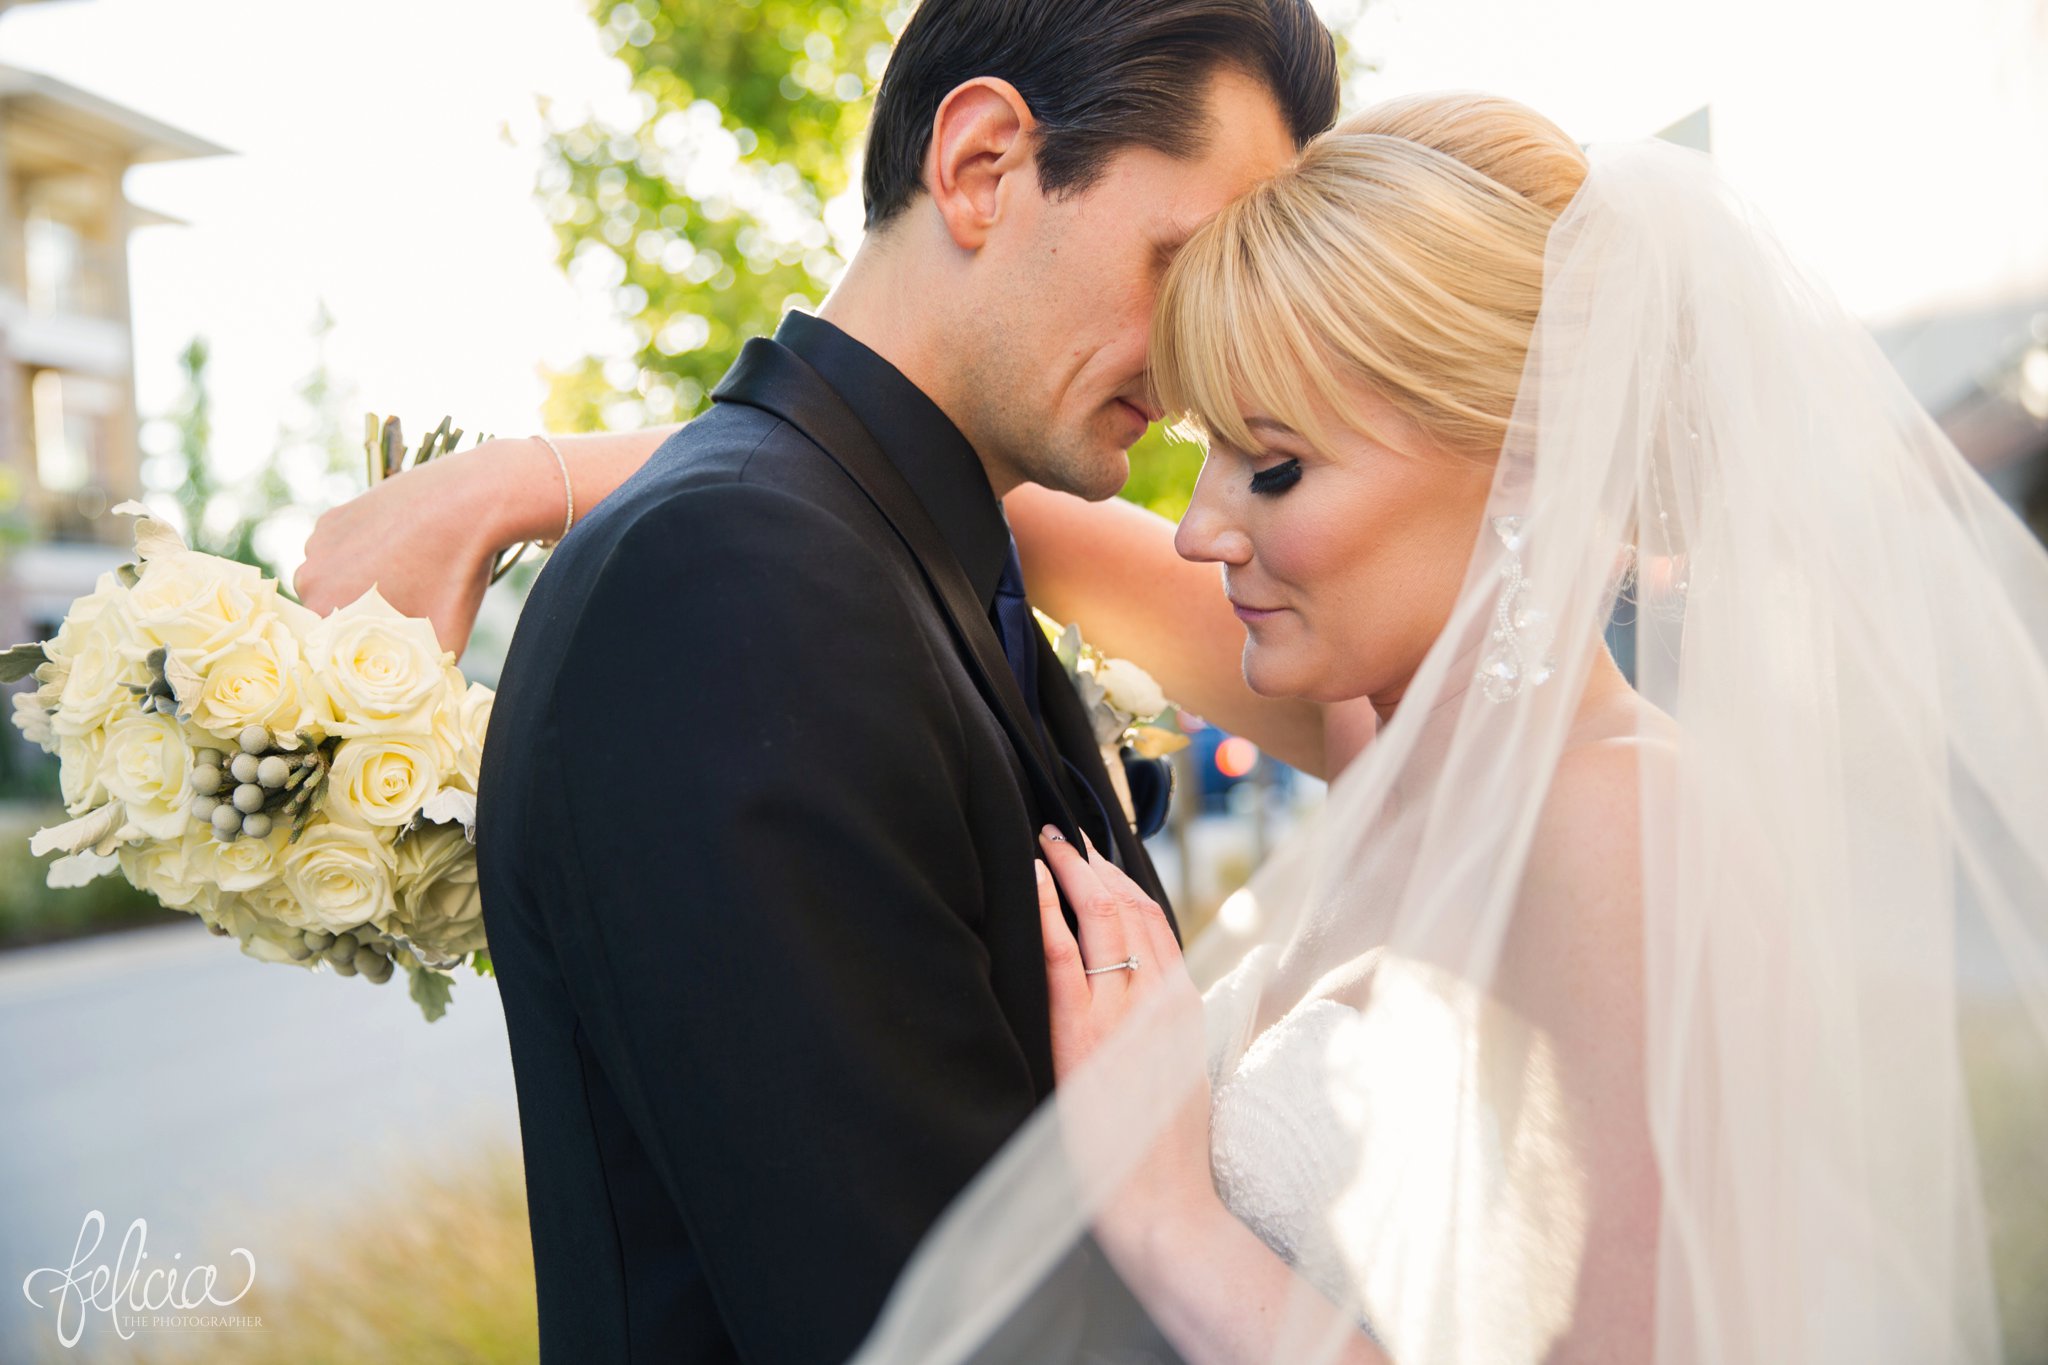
[1403, 251]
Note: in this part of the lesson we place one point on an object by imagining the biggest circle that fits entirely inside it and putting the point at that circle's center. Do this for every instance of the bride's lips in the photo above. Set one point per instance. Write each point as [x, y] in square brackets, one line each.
[1251, 615]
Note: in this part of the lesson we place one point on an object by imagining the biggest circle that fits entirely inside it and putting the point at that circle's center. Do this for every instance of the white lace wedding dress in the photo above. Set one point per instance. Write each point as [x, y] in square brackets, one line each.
[1445, 1091]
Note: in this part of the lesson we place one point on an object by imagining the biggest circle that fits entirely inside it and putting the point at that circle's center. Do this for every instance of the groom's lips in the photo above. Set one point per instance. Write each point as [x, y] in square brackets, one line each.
[1146, 413]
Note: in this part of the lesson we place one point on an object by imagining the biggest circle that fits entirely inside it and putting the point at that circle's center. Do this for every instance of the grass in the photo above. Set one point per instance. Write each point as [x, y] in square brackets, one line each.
[2007, 1074]
[435, 1270]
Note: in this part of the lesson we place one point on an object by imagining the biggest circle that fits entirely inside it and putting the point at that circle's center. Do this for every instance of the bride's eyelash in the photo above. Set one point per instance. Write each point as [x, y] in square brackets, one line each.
[1278, 479]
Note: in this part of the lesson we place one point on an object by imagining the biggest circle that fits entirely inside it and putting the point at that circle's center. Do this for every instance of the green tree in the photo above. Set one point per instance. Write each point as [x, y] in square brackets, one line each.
[313, 464]
[188, 463]
[705, 216]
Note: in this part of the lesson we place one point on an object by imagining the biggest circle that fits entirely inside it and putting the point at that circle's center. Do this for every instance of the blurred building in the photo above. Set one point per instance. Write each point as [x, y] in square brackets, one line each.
[1983, 372]
[68, 425]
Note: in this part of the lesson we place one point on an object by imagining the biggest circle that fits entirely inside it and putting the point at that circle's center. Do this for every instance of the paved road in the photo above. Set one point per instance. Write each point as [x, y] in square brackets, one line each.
[161, 1075]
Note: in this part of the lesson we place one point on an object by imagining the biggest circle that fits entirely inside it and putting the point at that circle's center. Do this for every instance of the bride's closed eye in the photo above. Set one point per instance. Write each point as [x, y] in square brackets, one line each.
[1278, 479]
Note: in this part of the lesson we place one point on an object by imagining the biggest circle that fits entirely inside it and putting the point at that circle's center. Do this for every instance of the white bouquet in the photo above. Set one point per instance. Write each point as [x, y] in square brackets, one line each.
[306, 785]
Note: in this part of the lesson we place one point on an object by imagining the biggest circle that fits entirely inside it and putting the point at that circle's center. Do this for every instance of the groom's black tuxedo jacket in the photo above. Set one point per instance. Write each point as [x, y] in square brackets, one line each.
[755, 839]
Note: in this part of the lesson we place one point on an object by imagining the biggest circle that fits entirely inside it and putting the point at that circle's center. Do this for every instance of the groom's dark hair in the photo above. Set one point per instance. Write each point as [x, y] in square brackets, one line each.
[1099, 75]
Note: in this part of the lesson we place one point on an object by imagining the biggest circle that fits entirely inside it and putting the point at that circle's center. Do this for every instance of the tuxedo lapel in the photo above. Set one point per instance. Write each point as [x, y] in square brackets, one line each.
[1073, 734]
[775, 379]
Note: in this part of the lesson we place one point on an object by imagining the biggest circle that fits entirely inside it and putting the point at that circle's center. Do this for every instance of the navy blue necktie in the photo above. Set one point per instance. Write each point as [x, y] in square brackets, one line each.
[1014, 624]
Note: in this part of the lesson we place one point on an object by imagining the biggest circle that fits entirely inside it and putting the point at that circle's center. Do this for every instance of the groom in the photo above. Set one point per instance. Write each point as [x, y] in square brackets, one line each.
[775, 733]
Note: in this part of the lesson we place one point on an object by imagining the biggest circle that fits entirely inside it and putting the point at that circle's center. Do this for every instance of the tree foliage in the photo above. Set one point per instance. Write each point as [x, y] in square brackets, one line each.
[704, 213]
[313, 464]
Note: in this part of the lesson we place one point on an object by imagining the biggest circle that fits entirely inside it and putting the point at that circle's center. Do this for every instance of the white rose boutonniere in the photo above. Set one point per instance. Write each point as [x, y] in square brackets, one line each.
[1125, 704]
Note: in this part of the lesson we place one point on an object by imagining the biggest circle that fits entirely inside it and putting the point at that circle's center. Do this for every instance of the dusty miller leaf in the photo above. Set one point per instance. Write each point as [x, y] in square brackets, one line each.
[430, 991]
[20, 661]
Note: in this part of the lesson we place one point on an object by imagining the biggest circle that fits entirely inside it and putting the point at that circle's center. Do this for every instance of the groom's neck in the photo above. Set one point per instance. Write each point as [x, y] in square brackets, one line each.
[891, 301]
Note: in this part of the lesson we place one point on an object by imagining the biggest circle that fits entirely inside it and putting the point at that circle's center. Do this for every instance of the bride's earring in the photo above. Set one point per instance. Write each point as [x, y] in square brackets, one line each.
[1519, 655]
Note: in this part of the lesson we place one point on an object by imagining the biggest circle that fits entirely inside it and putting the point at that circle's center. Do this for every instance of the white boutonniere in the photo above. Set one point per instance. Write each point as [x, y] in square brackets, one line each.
[1127, 707]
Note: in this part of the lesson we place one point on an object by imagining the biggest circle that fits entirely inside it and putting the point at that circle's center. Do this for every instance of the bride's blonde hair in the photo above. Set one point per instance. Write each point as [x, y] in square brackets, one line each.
[1403, 251]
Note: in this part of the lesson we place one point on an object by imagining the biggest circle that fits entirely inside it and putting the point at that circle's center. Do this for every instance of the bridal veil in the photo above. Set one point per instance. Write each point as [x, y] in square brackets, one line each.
[1843, 862]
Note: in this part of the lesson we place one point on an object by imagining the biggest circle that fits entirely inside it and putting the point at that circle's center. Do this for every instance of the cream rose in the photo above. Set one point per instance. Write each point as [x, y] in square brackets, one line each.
[439, 909]
[146, 768]
[102, 659]
[339, 875]
[380, 782]
[461, 728]
[261, 681]
[199, 605]
[78, 770]
[1129, 688]
[242, 864]
[275, 902]
[382, 672]
[261, 935]
[34, 722]
[168, 870]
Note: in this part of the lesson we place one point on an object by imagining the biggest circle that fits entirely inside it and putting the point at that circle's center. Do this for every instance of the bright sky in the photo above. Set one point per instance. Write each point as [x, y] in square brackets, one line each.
[1899, 147]
[370, 172]
[1896, 143]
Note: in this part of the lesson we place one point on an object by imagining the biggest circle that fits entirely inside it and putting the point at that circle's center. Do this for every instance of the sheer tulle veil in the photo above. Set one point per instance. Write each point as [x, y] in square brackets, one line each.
[1843, 861]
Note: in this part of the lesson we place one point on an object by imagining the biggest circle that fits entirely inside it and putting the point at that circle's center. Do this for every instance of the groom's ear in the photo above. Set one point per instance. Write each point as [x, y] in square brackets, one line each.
[980, 157]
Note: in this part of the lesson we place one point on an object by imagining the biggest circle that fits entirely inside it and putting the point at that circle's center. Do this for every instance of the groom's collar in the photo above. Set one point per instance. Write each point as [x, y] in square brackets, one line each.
[919, 439]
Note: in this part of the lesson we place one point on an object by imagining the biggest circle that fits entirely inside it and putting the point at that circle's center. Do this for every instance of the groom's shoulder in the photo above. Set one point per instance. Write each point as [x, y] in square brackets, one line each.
[738, 478]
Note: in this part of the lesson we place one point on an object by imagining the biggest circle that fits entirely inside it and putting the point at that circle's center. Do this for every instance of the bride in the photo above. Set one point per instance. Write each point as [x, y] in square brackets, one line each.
[1594, 1018]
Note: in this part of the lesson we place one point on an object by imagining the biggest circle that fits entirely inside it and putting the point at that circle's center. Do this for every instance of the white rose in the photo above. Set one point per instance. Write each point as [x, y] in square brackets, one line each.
[78, 770]
[339, 876]
[101, 660]
[146, 767]
[1129, 688]
[167, 870]
[439, 909]
[261, 935]
[261, 681]
[242, 864]
[107, 591]
[461, 728]
[274, 902]
[381, 781]
[199, 605]
[34, 721]
[382, 672]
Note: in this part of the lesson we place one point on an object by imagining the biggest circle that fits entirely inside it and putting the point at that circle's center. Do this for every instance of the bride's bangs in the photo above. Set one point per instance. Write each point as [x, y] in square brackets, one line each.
[1233, 334]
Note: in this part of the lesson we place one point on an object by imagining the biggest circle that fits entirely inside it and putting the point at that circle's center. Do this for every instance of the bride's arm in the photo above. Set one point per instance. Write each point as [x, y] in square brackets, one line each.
[427, 539]
[1111, 567]
[1221, 1296]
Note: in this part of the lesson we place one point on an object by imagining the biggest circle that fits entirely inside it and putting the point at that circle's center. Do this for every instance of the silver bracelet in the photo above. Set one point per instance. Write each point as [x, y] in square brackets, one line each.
[567, 487]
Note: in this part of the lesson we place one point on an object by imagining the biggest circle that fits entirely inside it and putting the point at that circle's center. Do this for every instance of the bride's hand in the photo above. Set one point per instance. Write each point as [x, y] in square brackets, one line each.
[426, 539]
[1170, 1186]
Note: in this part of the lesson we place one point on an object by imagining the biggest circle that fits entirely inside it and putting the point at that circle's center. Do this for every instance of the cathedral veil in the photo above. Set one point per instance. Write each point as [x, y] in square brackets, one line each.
[1843, 859]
